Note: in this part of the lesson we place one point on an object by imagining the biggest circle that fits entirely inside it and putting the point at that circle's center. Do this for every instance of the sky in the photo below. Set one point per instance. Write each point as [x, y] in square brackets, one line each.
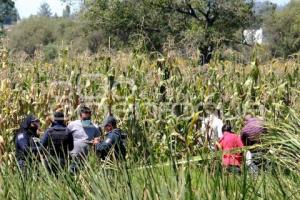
[31, 7]
[279, 2]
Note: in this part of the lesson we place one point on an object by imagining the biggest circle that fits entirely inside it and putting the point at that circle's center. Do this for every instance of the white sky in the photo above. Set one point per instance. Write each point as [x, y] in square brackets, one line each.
[31, 7]
[279, 2]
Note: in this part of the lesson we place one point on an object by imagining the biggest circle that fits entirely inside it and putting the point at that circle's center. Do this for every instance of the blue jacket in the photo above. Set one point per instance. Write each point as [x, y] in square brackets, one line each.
[113, 139]
[24, 142]
[25, 145]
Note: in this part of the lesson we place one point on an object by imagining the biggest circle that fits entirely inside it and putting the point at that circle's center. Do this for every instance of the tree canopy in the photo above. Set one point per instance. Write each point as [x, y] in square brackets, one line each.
[210, 23]
[7, 8]
[206, 27]
[282, 30]
[45, 10]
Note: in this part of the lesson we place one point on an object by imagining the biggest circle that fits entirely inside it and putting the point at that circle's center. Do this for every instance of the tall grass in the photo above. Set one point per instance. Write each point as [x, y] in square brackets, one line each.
[199, 177]
[185, 181]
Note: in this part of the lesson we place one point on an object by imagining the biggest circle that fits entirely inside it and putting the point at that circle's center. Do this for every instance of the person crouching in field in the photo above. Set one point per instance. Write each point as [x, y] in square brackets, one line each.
[252, 130]
[230, 142]
[251, 135]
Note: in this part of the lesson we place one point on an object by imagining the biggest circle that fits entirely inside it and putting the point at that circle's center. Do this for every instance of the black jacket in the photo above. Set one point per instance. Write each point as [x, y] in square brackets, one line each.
[25, 145]
[57, 140]
[114, 139]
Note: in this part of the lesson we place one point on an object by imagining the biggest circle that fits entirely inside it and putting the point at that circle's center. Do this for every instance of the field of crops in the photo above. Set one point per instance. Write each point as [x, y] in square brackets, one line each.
[158, 102]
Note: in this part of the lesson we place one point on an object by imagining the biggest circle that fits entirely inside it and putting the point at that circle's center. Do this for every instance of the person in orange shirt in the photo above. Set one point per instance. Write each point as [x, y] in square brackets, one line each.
[228, 143]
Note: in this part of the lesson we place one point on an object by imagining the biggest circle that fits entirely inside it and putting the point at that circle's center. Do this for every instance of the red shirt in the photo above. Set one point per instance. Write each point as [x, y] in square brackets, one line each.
[228, 142]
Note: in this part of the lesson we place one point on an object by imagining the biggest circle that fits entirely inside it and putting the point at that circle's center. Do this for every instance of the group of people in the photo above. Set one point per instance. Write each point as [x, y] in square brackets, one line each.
[62, 144]
[221, 137]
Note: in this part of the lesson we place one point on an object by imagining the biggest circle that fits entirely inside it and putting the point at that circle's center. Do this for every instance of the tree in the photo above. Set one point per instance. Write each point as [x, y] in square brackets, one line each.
[45, 10]
[262, 9]
[208, 23]
[282, 30]
[32, 34]
[47, 34]
[6, 8]
[130, 22]
[67, 11]
[11, 17]
[212, 23]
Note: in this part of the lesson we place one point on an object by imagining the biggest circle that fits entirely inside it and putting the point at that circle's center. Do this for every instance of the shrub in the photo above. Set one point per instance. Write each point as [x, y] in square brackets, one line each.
[32, 34]
[50, 52]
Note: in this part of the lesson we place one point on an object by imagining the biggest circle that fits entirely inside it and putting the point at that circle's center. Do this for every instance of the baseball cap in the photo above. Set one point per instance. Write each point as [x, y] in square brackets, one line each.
[110, 120]
[58, 116]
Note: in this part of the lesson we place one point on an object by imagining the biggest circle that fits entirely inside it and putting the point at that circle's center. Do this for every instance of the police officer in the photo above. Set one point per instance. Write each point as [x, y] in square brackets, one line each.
[114, 139]
[57, 141]
[26, 147]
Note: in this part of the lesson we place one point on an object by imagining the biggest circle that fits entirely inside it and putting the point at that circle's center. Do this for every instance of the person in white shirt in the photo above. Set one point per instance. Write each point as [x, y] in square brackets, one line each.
[84, 131]
[212, 127]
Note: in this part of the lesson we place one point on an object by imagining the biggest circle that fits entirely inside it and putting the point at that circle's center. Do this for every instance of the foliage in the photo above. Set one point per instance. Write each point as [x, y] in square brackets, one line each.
[12, 17]
[50, 52]
[45, 10]
[67, 11]
[204, 28]
[202, 180]
[157, 21]
[261, 10]
[125, 21]
[7, 8]
[284, 145]
[35, 33]
[31, 34]
[145, 108]
[282, 30]
[159, 102]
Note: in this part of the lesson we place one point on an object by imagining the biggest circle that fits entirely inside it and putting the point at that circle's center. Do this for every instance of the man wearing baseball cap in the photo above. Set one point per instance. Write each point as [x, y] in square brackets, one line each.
[114, 140]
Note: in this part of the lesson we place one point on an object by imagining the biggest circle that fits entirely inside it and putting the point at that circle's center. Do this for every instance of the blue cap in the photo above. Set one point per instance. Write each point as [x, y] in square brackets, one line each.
[110, 120]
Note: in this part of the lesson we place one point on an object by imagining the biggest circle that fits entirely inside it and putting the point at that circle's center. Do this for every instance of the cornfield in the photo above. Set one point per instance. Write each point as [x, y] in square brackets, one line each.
[158, 101]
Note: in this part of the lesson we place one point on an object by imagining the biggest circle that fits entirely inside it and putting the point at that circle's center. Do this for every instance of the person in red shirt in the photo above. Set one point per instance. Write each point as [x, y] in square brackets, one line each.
[228, 144]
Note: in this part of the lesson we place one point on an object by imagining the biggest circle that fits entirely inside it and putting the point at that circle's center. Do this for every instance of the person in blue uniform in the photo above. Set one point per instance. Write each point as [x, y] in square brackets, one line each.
[114, 140]
[57, 142]
[26, 147]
